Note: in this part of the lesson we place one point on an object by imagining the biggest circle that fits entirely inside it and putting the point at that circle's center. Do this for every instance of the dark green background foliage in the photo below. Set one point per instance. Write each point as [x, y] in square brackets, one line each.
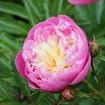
[16, 18]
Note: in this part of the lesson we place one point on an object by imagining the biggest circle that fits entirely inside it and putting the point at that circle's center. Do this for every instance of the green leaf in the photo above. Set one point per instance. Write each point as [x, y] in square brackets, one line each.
[9, 103]
[5, 68]
[46, 9]
[99, 9]
[14, 27]
[98, 30]
[6, 92]
[88, 101]
[60, 4]
[34, 8]
[56, 7]
[43, 99]
[14, 9]
[101, 41]
[29, 12]
[9, 41]
[102, 58]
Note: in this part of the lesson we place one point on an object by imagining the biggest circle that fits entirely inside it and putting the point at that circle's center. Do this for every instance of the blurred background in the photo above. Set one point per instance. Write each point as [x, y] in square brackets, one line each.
[16, 18]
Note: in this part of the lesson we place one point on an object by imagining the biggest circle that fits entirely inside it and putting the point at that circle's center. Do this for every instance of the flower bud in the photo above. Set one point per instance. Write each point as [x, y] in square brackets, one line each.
[94, 48]
[67, 95]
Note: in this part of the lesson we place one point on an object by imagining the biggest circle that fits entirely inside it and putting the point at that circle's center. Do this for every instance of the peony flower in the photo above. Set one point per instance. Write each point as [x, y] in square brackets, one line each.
[81, 2]
[54, 55]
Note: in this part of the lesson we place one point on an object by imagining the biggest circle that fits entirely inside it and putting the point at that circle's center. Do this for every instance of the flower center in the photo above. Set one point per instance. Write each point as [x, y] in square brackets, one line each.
[51, 54]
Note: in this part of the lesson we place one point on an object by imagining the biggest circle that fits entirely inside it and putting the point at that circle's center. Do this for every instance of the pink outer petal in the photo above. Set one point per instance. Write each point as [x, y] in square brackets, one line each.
[53, 86]
[28, 44]
[20, 65]
[48, 85]
[70, 75]
[27, 49]
[81, 2]
[32, 85]
[51, 21]
[76, 28]
[67, 76]
[66, 18]
[32, 77]
[31, 80]
[80, 34]
[83, 73]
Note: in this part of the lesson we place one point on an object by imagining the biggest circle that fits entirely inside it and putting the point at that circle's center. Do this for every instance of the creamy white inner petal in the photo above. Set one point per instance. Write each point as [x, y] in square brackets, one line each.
[52, 54]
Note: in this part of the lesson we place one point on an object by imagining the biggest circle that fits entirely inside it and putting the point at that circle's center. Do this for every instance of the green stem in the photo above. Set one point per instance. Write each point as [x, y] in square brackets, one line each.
[93, 70]
[95, 90]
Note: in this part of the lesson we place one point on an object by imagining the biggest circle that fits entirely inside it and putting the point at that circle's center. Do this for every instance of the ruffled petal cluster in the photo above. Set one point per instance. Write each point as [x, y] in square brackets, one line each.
[54, 55]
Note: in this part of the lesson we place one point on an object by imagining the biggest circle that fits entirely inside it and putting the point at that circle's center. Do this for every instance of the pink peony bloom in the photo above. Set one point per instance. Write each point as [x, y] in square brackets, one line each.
[54, 55]
[81, 2]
